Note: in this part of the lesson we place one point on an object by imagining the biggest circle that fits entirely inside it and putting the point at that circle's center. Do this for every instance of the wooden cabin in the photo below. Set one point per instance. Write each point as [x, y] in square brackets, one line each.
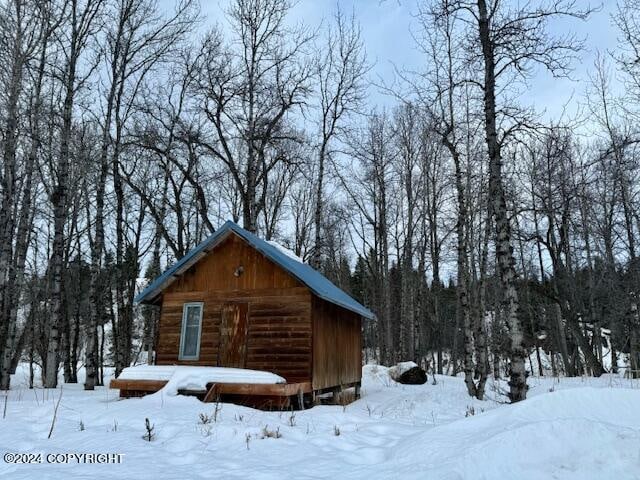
[239, 301]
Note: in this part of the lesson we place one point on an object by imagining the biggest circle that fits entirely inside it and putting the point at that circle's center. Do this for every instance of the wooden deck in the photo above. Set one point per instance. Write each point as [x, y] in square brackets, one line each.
[150, 386]
[266, 396]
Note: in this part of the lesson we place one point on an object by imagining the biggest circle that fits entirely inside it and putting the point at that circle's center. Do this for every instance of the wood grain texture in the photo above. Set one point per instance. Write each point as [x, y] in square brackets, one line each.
[277, 389]
[337, 345]
[233, 335]
[288, 331]
[278, 328]
[137, 385]
[217, 270]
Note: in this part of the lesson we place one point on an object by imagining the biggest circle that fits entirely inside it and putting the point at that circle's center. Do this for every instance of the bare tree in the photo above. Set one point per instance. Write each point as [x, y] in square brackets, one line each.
[25, 33]
[509, 42]
[248, 89]
[80, 26]
[367, 185]
[408, 122]
[340, 72]
[445, 91]
[133, 46]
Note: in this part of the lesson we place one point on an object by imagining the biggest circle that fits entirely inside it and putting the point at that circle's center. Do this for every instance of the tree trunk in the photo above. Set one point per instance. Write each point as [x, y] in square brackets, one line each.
[66, 344]
[8, 292]
[464, 310]
[317, 215]
[74, 347]
[96, 294]
[59, 203]
[504, 255]
[100, 381]
[562, 341]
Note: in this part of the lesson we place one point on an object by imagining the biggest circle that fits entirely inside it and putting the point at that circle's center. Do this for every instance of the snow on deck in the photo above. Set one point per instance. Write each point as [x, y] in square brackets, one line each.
[183, 377]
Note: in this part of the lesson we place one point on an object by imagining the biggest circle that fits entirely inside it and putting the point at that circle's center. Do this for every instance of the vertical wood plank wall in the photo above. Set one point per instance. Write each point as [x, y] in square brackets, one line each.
[337, 345]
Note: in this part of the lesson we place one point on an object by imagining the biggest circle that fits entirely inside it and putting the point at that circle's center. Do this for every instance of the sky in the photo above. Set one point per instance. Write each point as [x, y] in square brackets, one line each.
[387, 27]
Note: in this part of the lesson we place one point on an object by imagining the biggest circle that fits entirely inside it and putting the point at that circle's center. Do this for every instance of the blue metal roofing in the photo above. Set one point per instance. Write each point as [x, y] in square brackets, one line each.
[314, 280]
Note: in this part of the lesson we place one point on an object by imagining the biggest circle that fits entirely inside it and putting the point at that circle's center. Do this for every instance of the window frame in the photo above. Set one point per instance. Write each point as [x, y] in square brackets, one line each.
[183, 331]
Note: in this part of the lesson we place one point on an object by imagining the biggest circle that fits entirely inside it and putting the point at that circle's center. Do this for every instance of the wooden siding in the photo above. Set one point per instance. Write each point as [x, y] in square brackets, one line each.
[289, 331]
[279, 333]
[337, 345]
[167, 349]
[217, 271]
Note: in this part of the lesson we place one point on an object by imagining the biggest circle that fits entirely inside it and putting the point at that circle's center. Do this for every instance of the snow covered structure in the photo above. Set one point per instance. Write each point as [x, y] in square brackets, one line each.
[239, 301]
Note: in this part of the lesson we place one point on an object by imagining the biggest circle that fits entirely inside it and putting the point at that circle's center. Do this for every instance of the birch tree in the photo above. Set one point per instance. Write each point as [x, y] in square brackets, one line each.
[141, 39]
[25, 32]
[82, 23]
[508, 42]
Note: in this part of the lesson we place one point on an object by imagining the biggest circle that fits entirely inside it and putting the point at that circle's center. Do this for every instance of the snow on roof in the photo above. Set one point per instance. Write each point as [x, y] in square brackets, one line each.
[314, 280]
[286, 251]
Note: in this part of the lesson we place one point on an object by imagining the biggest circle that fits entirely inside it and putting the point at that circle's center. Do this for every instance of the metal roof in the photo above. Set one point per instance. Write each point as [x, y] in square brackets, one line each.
[314, 280]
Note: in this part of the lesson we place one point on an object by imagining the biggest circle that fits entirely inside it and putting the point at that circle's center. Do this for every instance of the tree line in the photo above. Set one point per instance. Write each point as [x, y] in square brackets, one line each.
[487, 239]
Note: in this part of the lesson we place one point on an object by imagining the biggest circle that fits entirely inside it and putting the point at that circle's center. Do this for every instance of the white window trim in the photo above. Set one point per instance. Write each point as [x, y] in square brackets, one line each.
[183, 330]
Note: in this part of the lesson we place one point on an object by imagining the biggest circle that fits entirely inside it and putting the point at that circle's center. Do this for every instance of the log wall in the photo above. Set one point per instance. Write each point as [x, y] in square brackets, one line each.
[290, 331]
[279, 311]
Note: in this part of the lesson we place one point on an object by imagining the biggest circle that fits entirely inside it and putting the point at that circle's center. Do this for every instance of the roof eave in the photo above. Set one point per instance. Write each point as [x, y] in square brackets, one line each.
[153, 292]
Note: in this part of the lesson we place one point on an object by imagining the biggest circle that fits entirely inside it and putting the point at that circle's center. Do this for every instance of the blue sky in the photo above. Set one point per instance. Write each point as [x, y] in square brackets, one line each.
[386, 30]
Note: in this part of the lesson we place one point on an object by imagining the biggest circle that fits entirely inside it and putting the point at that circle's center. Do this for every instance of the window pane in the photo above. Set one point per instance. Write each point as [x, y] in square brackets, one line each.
[193, 316]
[190, 342]
[191, 331]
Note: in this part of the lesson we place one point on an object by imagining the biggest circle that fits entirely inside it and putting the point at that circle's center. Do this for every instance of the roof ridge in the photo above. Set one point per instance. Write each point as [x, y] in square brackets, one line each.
[320, 285]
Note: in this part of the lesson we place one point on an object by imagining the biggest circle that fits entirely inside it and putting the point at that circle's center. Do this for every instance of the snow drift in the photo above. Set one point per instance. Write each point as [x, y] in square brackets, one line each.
[568, 429]
[584, 433]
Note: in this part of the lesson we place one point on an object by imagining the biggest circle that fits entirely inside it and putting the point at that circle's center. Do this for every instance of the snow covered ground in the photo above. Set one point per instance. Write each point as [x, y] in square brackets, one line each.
[578, 428]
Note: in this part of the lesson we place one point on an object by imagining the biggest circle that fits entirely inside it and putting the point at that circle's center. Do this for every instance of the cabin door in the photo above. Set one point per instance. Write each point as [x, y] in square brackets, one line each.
[233, 335]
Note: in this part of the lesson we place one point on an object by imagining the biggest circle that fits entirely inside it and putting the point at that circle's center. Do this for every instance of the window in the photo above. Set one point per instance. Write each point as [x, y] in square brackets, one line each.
[191, 330]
